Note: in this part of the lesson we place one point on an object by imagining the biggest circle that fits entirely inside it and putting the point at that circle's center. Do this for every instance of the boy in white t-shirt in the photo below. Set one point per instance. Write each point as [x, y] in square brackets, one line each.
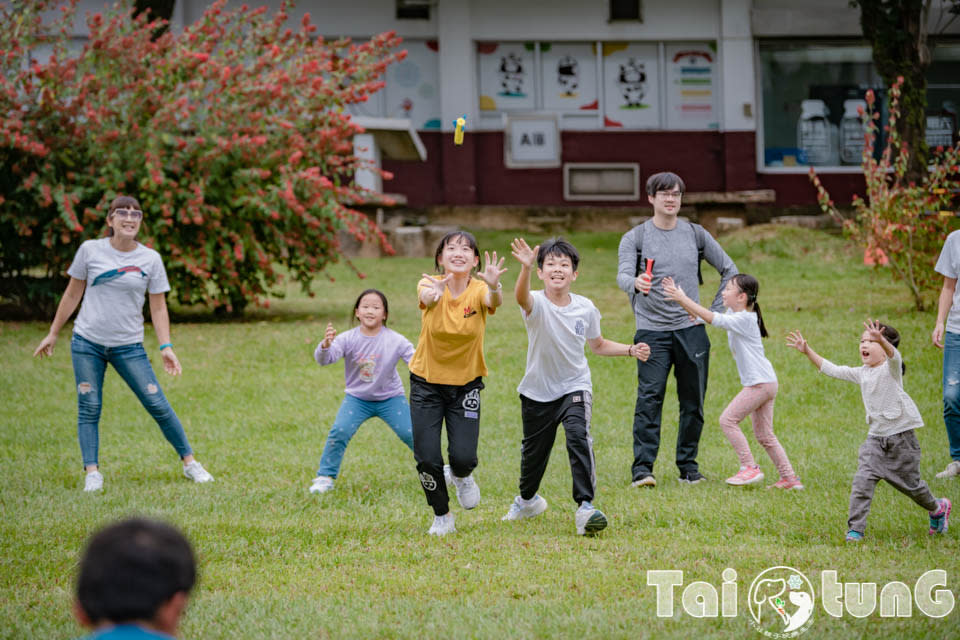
[556, 386]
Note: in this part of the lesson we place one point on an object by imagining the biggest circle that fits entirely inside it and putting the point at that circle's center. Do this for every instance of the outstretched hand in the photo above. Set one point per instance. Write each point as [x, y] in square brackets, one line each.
[874, 330]
[671, 290]
[492, 269]
[523, 253]
[435, 286]
[328, 336]
[796, 340]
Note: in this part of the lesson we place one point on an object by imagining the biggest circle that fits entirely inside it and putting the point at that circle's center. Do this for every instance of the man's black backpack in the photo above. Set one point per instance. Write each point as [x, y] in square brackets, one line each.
[698, 231]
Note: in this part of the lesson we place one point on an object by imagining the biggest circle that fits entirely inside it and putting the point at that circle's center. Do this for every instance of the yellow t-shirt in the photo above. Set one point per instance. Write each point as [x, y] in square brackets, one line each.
[450, 348]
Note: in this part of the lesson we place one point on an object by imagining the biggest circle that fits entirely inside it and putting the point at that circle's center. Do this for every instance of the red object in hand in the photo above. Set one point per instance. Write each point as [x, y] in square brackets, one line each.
[649, 272]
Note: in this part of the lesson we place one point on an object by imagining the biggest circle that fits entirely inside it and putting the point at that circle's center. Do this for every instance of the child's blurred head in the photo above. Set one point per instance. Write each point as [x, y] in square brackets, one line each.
[371, 308]
[454, 249]
[557, 263]
[748, 285]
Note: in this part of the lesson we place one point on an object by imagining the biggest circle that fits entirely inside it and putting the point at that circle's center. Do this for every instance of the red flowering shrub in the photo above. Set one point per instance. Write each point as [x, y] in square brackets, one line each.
[232, 135]
[902, 225]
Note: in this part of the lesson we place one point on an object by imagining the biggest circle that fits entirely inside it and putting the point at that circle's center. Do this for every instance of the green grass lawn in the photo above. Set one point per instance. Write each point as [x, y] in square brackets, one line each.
[277, 562]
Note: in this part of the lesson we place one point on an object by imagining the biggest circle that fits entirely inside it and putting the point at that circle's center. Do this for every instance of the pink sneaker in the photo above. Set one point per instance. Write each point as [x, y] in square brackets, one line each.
[787, 484]
[746, 475]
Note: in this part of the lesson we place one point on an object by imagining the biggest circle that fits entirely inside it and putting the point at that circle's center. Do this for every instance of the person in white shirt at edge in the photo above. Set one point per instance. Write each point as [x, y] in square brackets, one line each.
[557, 386]
[946, 336]
[112, 276]
[891, 451]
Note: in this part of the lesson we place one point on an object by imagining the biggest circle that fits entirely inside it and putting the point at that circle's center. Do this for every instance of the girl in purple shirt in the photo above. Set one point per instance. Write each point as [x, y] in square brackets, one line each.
[373, 387]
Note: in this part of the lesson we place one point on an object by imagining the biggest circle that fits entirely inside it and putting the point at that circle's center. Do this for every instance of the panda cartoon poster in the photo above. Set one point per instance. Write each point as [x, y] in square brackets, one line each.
[569, 76]
[631, 85]
[506, 75]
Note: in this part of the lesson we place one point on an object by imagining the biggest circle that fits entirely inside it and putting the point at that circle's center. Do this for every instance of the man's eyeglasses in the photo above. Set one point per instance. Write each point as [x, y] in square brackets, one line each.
[670, 194]
[128, 214]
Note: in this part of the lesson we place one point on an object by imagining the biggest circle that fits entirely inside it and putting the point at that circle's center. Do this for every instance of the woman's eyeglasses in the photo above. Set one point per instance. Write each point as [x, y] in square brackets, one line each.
[128, 214]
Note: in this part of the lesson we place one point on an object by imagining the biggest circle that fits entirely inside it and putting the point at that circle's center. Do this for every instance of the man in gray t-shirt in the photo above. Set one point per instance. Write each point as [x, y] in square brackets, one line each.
[675, 339]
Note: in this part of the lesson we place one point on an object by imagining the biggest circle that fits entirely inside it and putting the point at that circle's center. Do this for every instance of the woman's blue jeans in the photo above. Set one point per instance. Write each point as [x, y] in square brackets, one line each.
[131, 362]
[951, 391]
[354, 412]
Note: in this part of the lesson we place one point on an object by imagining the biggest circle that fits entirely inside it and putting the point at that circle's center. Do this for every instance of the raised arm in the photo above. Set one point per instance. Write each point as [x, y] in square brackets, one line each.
[68, 304]
[797, 341]
[714, 254]
[430, 290]
[527, 258]
[675, 293]
[943, 309]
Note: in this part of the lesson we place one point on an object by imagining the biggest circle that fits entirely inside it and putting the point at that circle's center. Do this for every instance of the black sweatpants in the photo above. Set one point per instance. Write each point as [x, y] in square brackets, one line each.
[431, 405]
[688, 352]
[540, 421]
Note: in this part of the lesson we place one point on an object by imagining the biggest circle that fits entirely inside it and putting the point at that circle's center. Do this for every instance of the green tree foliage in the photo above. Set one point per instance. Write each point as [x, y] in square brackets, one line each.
[232, 134]
[900, 224]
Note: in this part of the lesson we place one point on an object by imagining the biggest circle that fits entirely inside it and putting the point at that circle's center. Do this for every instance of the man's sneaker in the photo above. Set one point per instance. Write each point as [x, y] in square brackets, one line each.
[692, 477]
[93, 481]
[520, 508]
[938, 523]
[321, 484]
[952, 470]
[442, 525]
[468, 493]
[787, 484]
[746, 475]
[589, 520]
[854, 536]
[646, 481]
[195, 471]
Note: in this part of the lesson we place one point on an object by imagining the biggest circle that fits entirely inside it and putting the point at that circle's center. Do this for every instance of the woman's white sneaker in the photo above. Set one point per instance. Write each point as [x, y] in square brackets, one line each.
[93, 481]
[442, 525]
[195, 471]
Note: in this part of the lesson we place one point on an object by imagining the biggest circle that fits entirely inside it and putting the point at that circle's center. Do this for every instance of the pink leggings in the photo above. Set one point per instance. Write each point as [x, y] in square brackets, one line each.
[757, 402]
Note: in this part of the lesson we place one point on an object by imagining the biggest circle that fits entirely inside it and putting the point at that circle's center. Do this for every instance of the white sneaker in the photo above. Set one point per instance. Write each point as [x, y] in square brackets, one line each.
[195, 471]
[321, 484]
[589, 520]
[93, 481]
[442, 525]
[952, 470]
[468, 493]
[520, 508]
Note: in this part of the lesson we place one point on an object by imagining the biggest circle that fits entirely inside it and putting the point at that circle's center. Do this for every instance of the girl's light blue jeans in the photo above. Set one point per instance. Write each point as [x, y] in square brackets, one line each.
[951, 391]
[130, 361]
[354, 412]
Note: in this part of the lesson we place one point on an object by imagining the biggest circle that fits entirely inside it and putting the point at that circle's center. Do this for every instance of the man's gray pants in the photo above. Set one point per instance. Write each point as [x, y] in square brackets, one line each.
[895, 459]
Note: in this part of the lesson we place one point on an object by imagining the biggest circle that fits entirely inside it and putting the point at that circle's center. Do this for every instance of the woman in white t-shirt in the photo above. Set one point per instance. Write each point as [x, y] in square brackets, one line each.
[112, 276]
[744, 325]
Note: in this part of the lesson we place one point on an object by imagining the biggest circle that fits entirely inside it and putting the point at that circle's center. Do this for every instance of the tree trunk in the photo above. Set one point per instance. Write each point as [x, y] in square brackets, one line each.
[897, 31]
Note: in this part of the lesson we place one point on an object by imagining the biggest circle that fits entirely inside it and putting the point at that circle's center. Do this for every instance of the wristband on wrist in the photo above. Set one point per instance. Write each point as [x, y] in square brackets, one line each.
[165, 345]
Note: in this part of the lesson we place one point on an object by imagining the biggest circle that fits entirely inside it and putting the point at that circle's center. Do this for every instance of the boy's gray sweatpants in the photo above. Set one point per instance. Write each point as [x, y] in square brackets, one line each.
[895, 459]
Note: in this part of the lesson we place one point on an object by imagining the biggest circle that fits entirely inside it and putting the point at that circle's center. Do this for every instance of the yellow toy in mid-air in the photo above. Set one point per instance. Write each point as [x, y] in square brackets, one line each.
[461, 124]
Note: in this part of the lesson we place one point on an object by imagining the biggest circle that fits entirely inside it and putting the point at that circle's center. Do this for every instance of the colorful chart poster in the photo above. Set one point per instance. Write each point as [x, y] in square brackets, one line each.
[631, 85]
[569, 76]
[413, 85]
[506, 75]
[691, 86]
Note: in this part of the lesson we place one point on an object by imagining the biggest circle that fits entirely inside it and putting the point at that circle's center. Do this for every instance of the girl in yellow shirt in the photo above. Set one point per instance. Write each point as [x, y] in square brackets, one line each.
[447, 369]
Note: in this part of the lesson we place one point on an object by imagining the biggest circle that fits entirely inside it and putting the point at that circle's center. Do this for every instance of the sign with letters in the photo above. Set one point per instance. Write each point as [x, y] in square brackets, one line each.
[531, 141]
